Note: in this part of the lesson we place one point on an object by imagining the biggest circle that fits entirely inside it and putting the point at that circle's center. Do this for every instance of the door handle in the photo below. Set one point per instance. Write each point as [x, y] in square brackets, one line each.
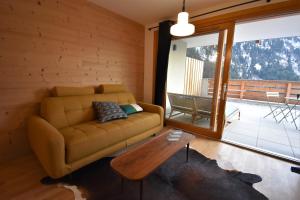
[225, 88]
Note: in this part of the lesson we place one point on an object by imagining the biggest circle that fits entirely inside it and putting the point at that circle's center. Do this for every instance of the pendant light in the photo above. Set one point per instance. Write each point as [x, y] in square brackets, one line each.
[182, 27]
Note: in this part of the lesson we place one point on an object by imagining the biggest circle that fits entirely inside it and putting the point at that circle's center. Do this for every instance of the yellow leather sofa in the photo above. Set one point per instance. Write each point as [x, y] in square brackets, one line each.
[66, 135]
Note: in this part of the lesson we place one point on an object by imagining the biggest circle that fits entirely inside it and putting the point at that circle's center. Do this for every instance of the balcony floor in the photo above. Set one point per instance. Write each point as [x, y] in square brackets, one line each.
[264, 133]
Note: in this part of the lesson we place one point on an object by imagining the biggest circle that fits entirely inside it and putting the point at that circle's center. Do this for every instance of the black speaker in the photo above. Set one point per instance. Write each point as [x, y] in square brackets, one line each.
[174, 47]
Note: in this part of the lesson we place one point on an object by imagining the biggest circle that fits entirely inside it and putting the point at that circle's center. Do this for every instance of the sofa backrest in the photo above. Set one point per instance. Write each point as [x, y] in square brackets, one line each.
[74, 106]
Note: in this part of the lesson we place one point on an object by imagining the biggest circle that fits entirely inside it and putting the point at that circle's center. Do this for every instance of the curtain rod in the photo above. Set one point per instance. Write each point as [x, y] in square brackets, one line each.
[221, 9]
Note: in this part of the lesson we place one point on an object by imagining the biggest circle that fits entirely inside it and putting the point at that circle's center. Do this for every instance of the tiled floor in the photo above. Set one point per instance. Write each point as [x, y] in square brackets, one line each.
[254, 130]
[264, 133]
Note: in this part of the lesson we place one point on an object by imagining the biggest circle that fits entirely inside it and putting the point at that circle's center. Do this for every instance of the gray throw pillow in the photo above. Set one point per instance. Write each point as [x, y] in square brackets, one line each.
[106, 111]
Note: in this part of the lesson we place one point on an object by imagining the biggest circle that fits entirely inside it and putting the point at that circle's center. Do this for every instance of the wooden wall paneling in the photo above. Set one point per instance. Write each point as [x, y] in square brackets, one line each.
[46, 43]
[155, 51]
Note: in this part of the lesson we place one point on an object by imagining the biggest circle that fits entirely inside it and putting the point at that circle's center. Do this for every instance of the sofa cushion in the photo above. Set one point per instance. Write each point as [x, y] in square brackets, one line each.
[73, 91]
[88, 138]
[112, 88]
[106, 111]
[67, 111]
[138, 123]
[84, 139]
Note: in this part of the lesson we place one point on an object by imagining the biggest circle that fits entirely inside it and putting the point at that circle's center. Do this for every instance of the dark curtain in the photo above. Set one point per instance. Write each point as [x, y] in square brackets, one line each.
[164, 42]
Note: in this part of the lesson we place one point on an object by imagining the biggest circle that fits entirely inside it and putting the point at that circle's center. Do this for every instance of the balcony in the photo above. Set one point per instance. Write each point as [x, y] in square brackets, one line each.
[253, 129]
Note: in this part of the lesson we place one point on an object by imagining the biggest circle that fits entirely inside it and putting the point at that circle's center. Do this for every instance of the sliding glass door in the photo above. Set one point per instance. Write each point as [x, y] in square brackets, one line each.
[197, 79]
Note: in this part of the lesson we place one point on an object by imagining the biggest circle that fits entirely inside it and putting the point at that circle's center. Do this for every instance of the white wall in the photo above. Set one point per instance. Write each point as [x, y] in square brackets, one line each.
[176, 67]
[203, 40]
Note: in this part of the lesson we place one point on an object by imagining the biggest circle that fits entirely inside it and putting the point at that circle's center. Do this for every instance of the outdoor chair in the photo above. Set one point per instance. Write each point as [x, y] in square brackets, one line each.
[292, 107]
[276, 107]
[231, 112]
[197, 106]
[181, 103]
[203, 106]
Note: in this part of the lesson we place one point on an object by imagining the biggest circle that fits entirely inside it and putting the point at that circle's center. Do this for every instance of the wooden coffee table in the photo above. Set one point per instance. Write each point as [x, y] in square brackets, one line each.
[138, 163]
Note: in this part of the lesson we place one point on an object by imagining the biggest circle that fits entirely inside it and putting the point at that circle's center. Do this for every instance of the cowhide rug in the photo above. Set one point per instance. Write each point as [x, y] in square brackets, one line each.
[200, 178]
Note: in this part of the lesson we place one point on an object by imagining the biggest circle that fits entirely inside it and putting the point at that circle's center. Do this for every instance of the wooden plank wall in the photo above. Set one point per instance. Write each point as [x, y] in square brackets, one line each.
[193, 76]
[46, 43]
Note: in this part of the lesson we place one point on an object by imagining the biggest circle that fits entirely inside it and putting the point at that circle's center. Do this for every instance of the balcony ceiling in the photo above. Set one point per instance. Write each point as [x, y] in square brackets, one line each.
[151, 11]
[286, 26]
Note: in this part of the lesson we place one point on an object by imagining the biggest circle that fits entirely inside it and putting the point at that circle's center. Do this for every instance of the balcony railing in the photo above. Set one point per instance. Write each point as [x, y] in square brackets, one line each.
[256, 89]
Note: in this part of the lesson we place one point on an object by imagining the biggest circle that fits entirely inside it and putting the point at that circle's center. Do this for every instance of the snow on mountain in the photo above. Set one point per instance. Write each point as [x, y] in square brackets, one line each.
[268, 59]
[257, 66]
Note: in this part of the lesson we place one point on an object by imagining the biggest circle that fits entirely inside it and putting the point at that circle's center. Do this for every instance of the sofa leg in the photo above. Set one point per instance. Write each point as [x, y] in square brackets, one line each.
[122, 184]
[70, 176]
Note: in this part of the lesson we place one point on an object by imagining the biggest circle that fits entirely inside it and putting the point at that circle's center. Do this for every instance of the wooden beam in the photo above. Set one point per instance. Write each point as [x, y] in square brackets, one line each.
[225, 80]
[242, 89]
[217, 81]
[288, 90]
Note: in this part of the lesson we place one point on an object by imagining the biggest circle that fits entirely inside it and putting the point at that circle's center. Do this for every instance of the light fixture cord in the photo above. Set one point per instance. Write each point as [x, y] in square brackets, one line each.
[183, 6]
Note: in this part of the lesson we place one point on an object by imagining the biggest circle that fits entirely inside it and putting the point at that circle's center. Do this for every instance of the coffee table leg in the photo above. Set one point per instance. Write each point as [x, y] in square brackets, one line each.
[187, 152]
[141, 189]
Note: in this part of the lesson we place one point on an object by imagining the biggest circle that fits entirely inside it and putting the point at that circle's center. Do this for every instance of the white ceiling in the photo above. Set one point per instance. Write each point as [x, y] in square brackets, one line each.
[151, 11]
[203, 40]
[256, 30]
[287, 26]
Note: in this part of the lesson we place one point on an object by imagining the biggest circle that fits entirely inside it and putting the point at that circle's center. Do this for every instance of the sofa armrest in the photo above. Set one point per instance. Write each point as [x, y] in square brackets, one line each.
[147, 107]
[48, 145]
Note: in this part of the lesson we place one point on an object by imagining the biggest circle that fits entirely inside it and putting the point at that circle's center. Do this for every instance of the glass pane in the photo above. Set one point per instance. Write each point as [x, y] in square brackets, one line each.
[264, 86]
[191, 78]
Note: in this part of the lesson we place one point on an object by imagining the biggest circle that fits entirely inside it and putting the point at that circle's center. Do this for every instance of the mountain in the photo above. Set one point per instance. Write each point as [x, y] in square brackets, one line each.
[268, 59]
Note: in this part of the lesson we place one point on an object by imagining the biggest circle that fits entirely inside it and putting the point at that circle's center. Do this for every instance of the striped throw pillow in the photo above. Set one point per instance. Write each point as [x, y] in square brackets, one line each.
[131, 108]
